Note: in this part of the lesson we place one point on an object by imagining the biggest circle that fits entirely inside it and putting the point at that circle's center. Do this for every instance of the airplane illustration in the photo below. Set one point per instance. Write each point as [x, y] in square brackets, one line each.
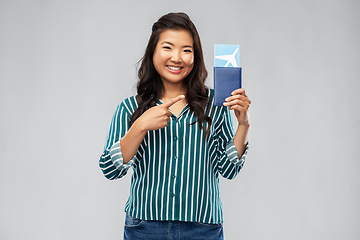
[230, 58]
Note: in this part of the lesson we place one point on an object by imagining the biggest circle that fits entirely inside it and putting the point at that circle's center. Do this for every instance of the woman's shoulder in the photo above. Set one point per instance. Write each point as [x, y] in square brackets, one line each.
[210, 93]
[211, 108]
[130, 104]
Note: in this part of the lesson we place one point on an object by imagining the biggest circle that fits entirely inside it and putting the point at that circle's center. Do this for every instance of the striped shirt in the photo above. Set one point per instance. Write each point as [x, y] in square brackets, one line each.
[175, 169]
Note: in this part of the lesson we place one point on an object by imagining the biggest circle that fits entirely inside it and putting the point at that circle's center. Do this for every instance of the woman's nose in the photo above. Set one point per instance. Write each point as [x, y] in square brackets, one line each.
[176, 57]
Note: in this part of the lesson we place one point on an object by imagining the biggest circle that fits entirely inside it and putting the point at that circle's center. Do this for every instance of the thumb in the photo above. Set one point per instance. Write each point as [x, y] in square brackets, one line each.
[173, 101]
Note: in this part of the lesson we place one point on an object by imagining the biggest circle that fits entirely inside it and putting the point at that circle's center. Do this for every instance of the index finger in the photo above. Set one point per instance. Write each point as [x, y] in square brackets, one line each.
[173, 101]
[239, 91]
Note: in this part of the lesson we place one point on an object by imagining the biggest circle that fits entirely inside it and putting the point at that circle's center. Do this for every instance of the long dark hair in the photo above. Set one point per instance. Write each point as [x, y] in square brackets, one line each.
[150, 87]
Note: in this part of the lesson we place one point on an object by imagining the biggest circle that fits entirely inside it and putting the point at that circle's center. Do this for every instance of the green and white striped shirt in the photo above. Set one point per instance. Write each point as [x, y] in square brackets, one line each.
[176, 169]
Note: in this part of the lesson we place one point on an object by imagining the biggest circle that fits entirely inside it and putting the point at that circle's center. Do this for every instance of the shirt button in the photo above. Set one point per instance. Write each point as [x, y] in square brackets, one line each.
[173, 194]
[175, 157]
[173, 176]
[175, 138]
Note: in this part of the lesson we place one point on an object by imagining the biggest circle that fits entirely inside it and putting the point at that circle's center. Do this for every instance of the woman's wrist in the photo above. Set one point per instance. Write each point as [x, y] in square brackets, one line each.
[244, 125]
[139, 126]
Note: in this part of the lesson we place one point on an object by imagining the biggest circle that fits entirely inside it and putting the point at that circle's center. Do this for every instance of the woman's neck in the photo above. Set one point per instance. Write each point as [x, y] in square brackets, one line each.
[173, 90]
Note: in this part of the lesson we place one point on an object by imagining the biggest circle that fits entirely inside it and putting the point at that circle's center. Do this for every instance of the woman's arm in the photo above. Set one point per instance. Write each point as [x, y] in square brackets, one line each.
[240, 103]
[130, 143]
[110, 161]
[241, 138]
[152, 119]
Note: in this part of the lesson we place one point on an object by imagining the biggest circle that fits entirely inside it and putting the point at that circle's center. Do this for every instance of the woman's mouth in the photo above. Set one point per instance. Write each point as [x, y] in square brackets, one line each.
[174, 69]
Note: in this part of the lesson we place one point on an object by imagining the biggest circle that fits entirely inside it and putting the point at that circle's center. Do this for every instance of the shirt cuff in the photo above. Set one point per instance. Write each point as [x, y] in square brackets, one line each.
[117, 158]
[233, 155]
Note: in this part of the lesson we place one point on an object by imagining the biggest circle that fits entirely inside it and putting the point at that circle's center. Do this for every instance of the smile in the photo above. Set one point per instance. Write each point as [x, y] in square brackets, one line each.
[174, 69]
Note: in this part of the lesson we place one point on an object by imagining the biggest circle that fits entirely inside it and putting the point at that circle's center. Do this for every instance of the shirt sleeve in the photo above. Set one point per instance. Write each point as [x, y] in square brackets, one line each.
[230, 163]
[111, 160]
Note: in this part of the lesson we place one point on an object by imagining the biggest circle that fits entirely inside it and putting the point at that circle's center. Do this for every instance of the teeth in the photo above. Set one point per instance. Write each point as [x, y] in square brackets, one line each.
[174, 68]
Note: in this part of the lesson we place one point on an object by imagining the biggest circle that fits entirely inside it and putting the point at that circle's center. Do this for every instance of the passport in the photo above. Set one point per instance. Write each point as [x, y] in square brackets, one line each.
[227, 73]
[226, 80]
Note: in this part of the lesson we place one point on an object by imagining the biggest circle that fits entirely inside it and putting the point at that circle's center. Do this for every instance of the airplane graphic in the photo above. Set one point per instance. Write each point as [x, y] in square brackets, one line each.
[229, 58]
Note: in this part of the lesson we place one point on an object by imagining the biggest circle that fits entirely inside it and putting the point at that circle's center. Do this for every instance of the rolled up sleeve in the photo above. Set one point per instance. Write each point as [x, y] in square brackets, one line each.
[111, 160]
[230, 163]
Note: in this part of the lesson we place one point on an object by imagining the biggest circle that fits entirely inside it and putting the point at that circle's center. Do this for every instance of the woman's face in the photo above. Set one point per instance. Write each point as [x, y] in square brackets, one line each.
[174, 56]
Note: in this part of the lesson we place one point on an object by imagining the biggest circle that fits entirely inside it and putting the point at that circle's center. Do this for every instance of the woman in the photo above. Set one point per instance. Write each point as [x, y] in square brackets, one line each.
[175, 140]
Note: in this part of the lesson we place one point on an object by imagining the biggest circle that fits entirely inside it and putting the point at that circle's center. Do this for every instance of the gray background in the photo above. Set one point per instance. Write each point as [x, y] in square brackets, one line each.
[65, 65]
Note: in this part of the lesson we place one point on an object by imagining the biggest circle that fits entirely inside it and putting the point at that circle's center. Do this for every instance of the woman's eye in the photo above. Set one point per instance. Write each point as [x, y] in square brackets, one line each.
[187, 50]
[166, 47]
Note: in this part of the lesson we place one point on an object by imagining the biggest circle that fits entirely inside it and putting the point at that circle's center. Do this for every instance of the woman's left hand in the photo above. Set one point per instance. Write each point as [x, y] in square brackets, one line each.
[240, 103]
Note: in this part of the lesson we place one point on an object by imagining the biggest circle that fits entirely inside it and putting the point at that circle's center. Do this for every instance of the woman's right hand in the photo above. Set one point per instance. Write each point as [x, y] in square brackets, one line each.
[157, 117]
[154, 118]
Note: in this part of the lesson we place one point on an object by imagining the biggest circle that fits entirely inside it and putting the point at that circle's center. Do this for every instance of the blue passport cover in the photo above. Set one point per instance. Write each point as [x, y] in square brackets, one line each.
[226, 80]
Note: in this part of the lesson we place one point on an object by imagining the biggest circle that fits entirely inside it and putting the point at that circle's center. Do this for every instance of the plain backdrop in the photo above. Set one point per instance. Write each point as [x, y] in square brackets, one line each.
[65, 65]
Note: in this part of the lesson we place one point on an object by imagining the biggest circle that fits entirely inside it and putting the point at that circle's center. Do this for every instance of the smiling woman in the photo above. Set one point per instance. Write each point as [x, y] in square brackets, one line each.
[174, 58]
[151, 87]
[175, 187]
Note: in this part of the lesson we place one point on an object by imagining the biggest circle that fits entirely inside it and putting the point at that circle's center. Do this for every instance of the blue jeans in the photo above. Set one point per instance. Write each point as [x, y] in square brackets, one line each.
[170, 230]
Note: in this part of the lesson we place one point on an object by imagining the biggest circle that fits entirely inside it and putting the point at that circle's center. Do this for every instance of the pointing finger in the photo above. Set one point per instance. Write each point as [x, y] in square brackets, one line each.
[168, 113]
[173, 101]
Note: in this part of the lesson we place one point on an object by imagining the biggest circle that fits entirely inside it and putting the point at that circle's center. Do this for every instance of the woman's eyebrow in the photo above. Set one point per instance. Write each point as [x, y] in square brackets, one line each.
[166, 42]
